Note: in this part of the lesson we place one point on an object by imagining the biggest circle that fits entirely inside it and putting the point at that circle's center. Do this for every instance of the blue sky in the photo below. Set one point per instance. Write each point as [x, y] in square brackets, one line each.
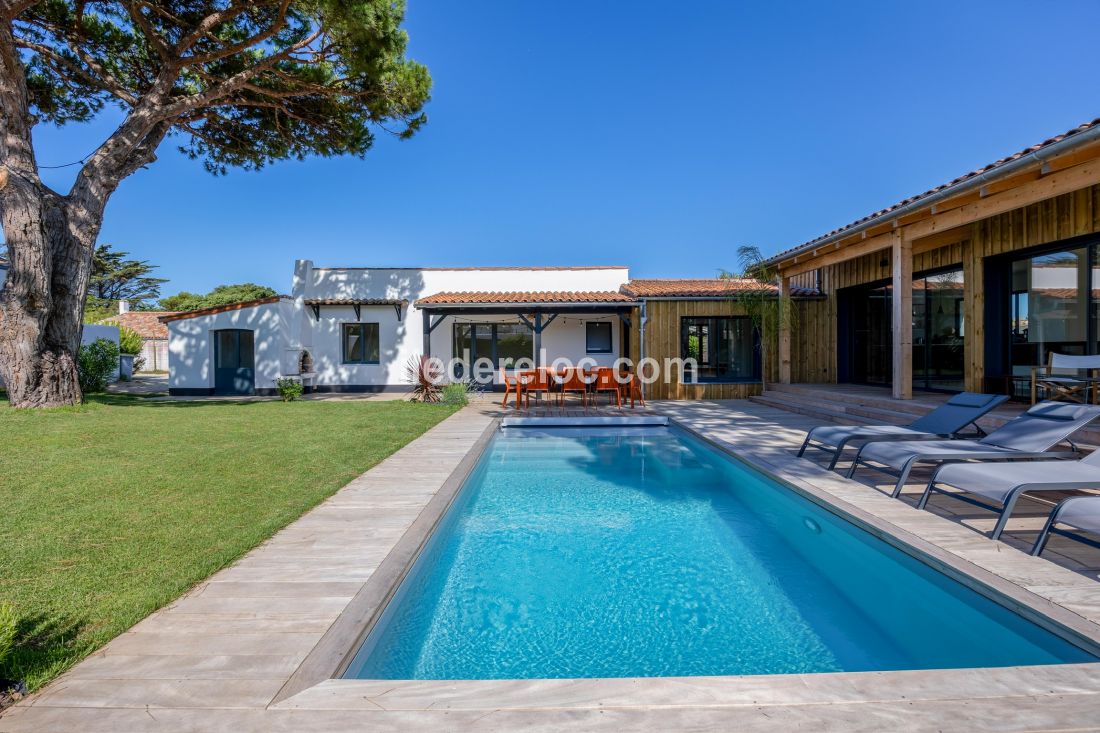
[653, 134]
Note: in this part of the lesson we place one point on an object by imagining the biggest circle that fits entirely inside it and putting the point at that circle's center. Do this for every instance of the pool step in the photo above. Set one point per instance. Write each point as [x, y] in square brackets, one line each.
[584, 422]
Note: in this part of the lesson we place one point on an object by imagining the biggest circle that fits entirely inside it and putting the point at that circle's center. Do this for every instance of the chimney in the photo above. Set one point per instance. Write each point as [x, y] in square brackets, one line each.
[123, 306]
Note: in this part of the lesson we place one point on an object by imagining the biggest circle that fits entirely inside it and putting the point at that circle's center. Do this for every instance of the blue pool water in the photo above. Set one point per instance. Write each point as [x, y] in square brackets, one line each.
[645, 552]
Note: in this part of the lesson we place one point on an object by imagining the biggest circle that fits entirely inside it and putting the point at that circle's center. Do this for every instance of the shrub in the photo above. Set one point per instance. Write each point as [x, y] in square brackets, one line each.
[425, 375]
[289, 388]
[457, 394]
[129, 340]
[95, 364]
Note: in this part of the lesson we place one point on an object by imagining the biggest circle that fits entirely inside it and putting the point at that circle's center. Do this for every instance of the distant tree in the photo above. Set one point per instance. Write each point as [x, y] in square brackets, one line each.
[242, 84]
[221, 295]
[116, 278]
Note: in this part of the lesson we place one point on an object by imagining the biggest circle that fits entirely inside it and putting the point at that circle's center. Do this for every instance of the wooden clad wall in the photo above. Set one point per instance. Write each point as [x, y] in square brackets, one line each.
[1063, 217]
[814, 342]
[662, 339]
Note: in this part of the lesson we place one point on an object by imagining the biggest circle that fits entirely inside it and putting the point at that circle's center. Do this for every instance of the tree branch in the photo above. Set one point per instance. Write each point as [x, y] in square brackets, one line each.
[9, 9]
[134, 10]
[107, 83]
[235, 82]
[16, 150]
[225, 51]
[207, 24]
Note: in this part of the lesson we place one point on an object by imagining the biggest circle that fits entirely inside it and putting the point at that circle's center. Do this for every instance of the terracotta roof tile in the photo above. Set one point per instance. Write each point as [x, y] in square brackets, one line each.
[524, 297]
[222, 308]
[965, 177]
[356, 301]
[702, 288]
[146, 323]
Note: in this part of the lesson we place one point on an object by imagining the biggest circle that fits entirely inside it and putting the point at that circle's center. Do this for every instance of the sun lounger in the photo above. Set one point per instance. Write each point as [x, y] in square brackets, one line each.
[946, 421]
[1027, 437]
[1082, 513]
[1001, 485]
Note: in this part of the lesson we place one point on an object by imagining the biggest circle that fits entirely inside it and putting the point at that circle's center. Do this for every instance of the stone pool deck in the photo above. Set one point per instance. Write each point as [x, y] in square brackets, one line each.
[230, 654]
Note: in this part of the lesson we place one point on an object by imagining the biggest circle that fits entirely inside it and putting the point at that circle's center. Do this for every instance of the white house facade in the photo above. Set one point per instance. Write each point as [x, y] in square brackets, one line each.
[355, 329]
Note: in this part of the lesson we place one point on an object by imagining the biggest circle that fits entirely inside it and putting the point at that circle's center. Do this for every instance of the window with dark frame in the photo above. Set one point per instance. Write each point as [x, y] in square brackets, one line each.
[597, 337]
[360, 343]
[726, 349]
[501, 343]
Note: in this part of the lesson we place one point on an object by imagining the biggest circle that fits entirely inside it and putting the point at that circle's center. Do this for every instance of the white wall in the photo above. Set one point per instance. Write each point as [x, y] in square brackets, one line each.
[191, 346]
[155, 353]
[282, 330]
[565, 337]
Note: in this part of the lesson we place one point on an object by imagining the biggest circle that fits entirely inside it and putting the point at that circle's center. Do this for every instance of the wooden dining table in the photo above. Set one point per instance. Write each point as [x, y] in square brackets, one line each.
[628, 390]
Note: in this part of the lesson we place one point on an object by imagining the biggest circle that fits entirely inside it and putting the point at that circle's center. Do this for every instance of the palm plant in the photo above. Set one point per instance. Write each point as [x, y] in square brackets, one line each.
[426, 377]
[761, 303]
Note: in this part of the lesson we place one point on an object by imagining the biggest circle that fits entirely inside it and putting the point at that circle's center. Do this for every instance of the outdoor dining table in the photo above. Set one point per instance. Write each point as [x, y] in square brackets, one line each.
[557, 377]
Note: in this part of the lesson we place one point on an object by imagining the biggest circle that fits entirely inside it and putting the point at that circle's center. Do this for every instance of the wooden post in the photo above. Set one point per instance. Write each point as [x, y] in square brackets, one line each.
[783, 324]
[427, 334]
[974, 312]
[538, 338]
[902, 300]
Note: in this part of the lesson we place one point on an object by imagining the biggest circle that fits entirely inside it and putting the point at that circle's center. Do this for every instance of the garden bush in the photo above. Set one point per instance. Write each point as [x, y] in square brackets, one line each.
[456, 394]
[129, 340]
[95, 365]
[288, 388]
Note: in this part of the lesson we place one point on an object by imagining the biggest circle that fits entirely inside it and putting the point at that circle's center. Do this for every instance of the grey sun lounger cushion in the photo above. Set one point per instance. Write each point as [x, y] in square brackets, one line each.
[946, 420]
[1002, 484]
[1028, 436]
[1080, 512]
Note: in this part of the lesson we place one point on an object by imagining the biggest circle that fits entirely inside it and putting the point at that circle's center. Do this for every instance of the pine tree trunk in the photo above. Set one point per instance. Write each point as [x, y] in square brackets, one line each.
[50, 240]
[41, 303]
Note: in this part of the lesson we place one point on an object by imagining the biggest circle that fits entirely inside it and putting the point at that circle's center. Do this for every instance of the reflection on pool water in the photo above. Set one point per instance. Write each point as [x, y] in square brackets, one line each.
[629, 552]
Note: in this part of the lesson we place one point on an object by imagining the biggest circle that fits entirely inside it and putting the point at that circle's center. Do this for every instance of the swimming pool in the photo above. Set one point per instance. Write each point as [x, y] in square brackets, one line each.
[635, 552]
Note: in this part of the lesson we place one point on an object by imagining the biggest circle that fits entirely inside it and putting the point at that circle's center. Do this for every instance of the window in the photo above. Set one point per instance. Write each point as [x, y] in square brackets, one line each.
[234, 350]
[361, 343]
[597, 337]
[725, 349]
[501, 343]
[1050, 307]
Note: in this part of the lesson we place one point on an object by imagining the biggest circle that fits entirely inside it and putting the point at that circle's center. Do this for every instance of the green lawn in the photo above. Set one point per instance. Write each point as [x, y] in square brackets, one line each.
[115, 508]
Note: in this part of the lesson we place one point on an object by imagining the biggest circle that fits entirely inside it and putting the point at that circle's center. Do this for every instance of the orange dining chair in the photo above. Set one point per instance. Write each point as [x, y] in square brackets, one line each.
[631, 388]
[537, 381]
[574, 380]
[511, 386]
[606, 382]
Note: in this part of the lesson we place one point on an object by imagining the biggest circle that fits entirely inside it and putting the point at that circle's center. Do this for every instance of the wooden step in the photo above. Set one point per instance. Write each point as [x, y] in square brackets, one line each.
[917, 406]
[842, 408]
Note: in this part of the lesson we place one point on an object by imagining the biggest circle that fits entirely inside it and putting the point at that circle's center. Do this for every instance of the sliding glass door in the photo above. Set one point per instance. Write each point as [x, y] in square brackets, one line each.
[871, 346]
[1051, 300]
[938, 333]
